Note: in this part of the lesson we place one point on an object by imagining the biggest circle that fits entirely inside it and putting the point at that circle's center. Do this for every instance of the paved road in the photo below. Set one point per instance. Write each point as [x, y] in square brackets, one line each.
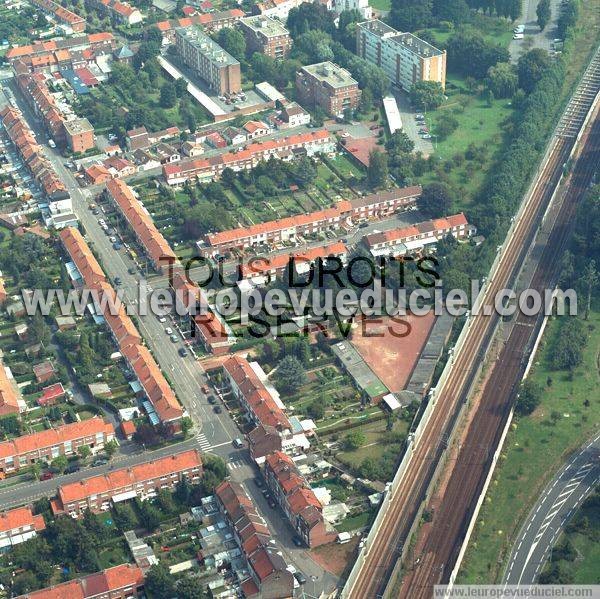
[552, 511]
[534, 38]
[212, 432]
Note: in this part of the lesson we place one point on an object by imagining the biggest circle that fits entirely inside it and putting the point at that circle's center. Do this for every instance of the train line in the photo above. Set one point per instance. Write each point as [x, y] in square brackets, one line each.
[389, 541]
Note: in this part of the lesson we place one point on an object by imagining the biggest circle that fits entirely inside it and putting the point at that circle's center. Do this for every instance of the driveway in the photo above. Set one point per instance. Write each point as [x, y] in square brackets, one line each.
[409, 125]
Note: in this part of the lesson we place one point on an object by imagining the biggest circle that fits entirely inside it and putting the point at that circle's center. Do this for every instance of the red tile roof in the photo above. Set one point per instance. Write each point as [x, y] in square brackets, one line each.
[19, 518]
[116, 480]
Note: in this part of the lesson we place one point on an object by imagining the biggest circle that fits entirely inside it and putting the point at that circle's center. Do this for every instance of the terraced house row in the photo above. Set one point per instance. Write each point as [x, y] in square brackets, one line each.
[32, 155]
[19, 525]
[11, 401]
[248, 157]
[118, 582]
[49, 444]
[209, 21]
[98, 493]
[345, 212]
[268, 576]
[165, 407]
[62, 14]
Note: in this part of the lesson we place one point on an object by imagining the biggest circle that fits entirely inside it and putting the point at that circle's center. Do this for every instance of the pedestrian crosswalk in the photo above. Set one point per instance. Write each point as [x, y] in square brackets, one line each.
[203, 442]
[237, 463]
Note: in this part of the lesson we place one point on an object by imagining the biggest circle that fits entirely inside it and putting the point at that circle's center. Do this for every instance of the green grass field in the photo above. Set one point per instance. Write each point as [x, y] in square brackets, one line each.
[381, 4]
[534, 450]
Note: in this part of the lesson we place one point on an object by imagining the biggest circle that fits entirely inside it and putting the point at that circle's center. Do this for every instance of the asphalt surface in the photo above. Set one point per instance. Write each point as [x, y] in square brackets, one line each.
[550, 514]
[533, 37]
[212, 432]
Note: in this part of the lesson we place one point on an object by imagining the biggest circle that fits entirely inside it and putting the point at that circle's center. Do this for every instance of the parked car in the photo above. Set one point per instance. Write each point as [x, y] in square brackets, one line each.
[238, 443]
[174, 338]
[258, 482]
[99, 462]
[71, 468]
[298, 541]
[300, 577]
[117, 246]
[217, 409]
[205, 389]
[168, 330]
[118, 280]
[272, 503]
[182, 352]
[131, 270]
[47, 475]
[212, 400]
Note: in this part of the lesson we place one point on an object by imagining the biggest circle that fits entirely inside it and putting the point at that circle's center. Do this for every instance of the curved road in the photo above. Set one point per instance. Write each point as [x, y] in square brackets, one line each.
[563, 495]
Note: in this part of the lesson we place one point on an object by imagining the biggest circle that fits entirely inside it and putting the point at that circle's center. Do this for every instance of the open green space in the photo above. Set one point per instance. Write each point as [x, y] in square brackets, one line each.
[534, 449]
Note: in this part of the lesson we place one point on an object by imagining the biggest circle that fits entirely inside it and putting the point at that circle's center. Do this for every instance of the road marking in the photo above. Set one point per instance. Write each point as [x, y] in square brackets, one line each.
[203, 441]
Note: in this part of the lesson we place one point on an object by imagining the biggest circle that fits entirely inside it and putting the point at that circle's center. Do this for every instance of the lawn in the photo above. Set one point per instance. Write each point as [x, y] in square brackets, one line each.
[355, 522]
[534, 450]
[381, 4]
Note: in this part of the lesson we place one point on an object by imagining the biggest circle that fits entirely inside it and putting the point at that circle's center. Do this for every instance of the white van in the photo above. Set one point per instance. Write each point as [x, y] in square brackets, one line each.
[518, 36]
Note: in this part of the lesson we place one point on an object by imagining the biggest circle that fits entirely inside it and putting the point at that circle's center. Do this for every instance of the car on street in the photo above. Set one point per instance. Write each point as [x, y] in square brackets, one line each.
[112, 239]
[258, 482]
[272, 503]
[168, 330]
[174, 338]
[117, 246]
[118, 280]
[47, 476]
[71, 468]
[238, 443]
[205, 389]
[212, 400]
[182, 352]
[298, 541]
[95, 211]
[162, 319]
[131, 270]
[99, 462]
[426, 136]
[300, 577]
[419, 117]
[217, 409]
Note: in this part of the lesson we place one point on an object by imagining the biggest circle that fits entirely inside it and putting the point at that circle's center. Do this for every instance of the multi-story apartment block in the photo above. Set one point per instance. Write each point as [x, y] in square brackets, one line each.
[284, 148]
[76, 23]
[79, 135]
[405, 58]
[119, 582]
[297, 500]
[49, 444]
[415, 237]
[268, 577]
[327, 86]
[143, 481]
[208, 60]
[212, 21]
[19, 525]
[155, 246]
[266, 35]
[276, 231]
[247, 382]
[278, 9]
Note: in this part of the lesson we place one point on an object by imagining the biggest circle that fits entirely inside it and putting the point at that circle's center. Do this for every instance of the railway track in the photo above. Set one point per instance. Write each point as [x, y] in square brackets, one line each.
[388, 543]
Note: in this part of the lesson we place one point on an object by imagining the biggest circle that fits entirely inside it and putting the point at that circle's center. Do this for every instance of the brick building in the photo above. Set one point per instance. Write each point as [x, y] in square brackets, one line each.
[268, 576]
[329, 87]
[49, 444]
[208, 60]
[79, 135]
[297, 500]
[266, 36]
[11, 400]
[384, 203]
[62, 15]
[208, 21]
[143, 480]
[118, 582]
[19, 525]
[155, 246]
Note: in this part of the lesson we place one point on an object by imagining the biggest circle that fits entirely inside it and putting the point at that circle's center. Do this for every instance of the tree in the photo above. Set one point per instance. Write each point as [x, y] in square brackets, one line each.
[149, 516]
[124, 516]
[168, 95]
[453, 11]
[531, 68]
[427, 95]
[590, 279]
[544, 13]
[110, 448]
[399, 143]
[502, 80]
[232, 41]
[310, 16]
[353, 440]
[183, 491]
[529, 398]
[469, 54]
[190, 587]
[567, 352]
[84, 452]
[181, 87]
[377, 171]
[159, 582]
[446, 126]
[59, 463]
[186, 425]
[409, 15]
[38, 330]
[435, 200]
[290, 374]
[316, 409]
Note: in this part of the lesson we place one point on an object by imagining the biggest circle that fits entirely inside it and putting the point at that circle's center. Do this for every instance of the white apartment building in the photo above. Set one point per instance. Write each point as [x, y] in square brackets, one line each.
[362, 6]
[404, 57]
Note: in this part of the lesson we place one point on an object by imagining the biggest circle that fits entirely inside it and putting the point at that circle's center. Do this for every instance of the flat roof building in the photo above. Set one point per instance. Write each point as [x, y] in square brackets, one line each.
[266, 35]
[208, 60]
[404, 57]
[79, 135]
[329, 87]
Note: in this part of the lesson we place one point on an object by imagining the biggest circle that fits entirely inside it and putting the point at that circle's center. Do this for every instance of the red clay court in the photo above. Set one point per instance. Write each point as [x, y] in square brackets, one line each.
[392, 347]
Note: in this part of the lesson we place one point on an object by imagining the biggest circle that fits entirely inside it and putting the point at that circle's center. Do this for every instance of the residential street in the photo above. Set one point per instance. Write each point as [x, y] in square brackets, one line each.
[212, 432]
